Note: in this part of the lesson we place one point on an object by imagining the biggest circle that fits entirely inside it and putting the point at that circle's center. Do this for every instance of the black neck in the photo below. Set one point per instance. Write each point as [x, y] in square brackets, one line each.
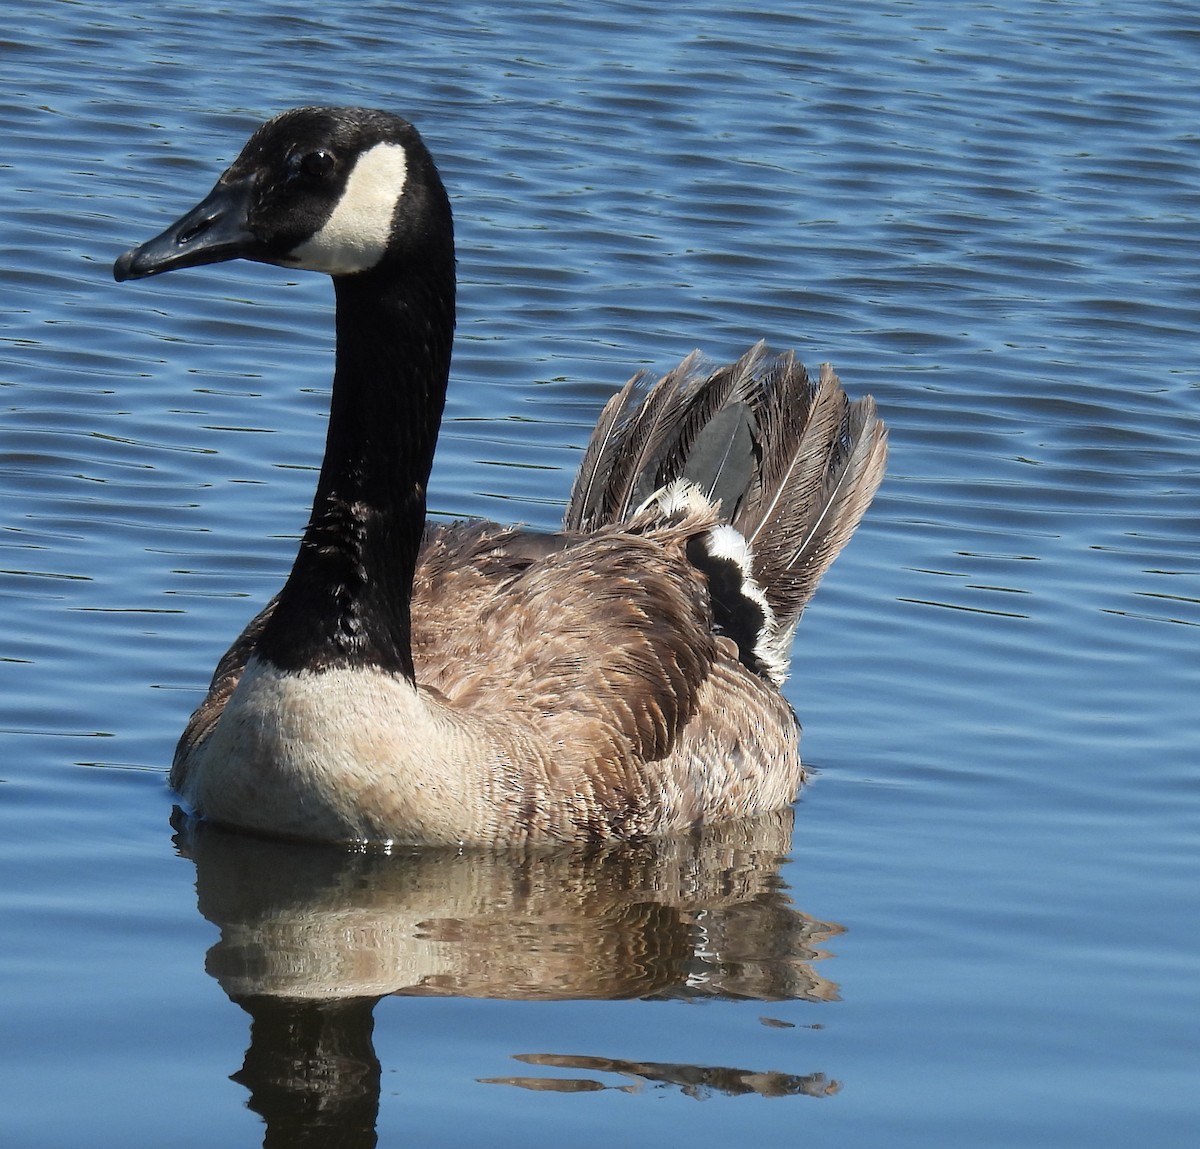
[346, 602]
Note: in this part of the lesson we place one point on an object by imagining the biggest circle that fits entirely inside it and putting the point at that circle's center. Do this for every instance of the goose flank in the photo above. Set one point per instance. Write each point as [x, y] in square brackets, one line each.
[479, 684]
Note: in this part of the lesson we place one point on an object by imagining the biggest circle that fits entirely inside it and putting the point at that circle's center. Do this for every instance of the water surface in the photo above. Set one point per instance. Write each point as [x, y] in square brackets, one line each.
[981, 927]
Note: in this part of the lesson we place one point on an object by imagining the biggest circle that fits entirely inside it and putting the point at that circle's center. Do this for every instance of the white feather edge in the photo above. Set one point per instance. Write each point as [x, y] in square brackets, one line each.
[682, 497]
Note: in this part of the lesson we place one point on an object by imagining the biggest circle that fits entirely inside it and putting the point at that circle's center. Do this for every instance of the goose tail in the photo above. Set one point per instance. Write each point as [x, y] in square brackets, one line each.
[790, 464]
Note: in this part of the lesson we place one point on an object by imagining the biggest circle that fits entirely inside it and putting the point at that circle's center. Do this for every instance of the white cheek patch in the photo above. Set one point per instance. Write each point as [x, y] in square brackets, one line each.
[356, 235]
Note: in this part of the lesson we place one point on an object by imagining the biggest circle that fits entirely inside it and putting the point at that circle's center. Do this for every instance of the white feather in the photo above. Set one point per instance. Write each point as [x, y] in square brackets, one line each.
[679, 497]
[726, 542]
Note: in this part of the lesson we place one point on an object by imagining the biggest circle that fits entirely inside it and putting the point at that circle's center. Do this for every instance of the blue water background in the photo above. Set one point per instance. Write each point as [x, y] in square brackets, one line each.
[986, 216]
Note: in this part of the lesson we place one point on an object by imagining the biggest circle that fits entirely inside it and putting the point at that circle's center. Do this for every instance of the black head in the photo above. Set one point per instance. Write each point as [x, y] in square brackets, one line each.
[337, 190]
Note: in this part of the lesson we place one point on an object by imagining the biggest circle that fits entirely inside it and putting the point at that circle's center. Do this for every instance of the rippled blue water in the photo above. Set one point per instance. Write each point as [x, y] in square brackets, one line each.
[986, 932]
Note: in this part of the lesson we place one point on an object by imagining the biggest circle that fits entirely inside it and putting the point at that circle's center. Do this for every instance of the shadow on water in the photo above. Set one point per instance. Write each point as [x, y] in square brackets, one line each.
[312, 938]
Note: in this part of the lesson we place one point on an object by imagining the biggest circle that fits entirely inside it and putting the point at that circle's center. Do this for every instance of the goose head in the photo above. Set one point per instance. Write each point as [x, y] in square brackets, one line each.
[342, 191]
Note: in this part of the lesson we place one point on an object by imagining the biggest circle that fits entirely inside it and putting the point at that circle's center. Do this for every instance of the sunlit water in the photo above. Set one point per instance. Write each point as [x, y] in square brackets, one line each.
[982, 928]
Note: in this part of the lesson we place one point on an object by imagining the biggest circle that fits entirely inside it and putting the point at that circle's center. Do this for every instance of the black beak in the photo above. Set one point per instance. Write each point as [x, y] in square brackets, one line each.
[213, 231]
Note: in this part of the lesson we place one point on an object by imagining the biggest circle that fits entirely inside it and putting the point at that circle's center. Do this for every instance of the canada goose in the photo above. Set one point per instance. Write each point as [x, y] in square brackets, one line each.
[477, 684]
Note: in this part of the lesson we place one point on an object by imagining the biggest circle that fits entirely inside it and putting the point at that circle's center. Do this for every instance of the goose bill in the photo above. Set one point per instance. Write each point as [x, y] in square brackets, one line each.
[215, 230]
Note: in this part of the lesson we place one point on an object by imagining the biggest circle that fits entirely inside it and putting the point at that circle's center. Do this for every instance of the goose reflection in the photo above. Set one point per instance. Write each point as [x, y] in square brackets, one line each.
[698, 1081]
[311, 938]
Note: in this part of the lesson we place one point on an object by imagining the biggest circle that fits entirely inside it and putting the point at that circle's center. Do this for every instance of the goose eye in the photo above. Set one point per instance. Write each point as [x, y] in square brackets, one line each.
[315, 165]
